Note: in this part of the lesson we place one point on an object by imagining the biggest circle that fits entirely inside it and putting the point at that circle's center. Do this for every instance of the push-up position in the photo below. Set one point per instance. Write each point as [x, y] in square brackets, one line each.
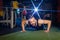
[33, 22]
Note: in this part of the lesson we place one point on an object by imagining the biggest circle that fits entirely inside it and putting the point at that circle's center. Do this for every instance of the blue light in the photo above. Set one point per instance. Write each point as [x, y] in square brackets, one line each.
[36, 9]
[40, 3]
[33, 3]
[35, 0]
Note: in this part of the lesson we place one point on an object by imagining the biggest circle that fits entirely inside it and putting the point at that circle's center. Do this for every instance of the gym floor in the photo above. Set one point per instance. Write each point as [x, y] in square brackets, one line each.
[16, 34]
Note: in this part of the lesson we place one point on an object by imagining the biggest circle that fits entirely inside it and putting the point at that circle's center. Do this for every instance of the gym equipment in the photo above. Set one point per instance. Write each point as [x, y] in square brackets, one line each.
[8, 20]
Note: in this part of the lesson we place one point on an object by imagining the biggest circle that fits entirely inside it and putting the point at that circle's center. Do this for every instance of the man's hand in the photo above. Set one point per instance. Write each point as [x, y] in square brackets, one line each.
[46, 31]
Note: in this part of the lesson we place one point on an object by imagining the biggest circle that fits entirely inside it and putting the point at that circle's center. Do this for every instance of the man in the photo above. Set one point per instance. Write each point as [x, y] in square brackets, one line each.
[33, 22]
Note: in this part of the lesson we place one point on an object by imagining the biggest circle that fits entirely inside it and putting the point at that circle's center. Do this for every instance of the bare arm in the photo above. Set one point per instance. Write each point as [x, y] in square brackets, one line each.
[48, 22]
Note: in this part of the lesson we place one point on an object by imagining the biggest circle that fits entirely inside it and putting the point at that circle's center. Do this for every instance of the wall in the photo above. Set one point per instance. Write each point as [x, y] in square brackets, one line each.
[1, 9]
[58, 13]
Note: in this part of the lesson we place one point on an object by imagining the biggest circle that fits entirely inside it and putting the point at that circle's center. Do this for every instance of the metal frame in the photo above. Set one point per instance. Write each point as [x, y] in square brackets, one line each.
[8, 21]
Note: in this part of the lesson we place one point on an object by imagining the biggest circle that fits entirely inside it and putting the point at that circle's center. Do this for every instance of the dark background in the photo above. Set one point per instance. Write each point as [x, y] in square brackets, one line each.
[47, 4]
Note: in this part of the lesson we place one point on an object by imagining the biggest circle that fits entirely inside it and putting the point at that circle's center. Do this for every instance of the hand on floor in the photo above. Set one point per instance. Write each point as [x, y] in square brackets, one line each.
[23, 31]
[46, 31]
